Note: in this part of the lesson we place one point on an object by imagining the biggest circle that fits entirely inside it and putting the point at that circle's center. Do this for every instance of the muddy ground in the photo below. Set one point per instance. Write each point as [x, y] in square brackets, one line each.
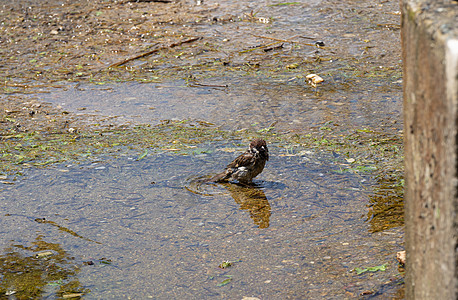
[54, 42]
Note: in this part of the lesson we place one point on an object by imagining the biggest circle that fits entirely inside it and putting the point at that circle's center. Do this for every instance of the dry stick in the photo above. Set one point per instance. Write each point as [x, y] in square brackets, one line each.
[273, 47]
[260, 47]
[120, 63]
[163, 1]
[390, 25]
[208, 85]
[129, 1]
[284, 41]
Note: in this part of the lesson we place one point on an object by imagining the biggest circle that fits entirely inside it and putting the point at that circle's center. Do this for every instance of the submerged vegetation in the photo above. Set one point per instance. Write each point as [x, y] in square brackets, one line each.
[360, 151]
[39, 270]
[130, 41]
[363, 151]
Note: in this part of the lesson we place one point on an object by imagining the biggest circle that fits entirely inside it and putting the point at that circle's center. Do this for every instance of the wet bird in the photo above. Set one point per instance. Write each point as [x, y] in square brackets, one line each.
[247, 166]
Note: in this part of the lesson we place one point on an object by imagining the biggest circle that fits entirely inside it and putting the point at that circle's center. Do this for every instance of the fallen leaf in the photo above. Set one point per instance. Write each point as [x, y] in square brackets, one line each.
[143, 155]
[74, 295]
[401, 257]
[225, 281]
[313, 79]
[44, 254]
[370, 269]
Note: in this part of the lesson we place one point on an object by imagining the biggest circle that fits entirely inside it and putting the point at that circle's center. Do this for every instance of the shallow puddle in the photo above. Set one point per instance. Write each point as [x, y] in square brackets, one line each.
[152, 234]
[245, 103]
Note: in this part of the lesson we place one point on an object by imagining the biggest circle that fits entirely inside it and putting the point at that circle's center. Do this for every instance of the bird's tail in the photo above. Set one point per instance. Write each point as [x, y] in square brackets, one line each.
[221, 177]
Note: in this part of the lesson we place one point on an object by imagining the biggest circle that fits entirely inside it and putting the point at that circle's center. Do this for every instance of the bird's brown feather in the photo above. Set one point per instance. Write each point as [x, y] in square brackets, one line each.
[247, 165]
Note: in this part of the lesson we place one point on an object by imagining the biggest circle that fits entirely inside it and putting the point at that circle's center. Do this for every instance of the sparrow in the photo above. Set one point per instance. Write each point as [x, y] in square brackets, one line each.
[247, 166]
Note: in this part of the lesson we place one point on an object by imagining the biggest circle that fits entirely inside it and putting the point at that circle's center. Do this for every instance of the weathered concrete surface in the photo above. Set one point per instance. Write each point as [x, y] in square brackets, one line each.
[430, 54]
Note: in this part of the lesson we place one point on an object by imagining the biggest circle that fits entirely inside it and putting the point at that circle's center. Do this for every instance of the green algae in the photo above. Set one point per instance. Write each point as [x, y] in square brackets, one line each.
[33, 271]
[358, 151]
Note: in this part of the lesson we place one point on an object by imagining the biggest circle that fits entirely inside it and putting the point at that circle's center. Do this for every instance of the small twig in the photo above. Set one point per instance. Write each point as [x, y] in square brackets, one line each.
[208, 85]
[273, 47]
[389, 25]
[285, 41]
[162, 1]
[273, 124]
[307, 37]
[120, 63]
[274, 39]
[263, 47]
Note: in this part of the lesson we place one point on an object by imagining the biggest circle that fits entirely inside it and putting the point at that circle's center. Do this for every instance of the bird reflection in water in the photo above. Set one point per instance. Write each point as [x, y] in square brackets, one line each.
[252, 199]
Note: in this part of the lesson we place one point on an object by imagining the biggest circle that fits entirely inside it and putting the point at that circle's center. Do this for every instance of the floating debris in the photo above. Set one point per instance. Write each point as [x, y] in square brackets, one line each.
[225, 265]
[44, 254]
[401, 257]
[370, 269]
[143, 155]
[292, 66]
[225, 281]
[314, 79]
[73, 295]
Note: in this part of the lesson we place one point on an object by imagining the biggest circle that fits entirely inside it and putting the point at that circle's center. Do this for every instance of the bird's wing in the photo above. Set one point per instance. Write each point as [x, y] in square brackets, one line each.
[244, 160]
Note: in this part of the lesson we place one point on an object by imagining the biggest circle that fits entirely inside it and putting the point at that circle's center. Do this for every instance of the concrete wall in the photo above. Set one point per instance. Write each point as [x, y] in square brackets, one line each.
[430, 54]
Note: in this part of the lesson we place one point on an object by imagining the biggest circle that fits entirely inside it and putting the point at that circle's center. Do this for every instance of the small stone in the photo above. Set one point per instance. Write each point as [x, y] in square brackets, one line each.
[319, 44]
[401, 257]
